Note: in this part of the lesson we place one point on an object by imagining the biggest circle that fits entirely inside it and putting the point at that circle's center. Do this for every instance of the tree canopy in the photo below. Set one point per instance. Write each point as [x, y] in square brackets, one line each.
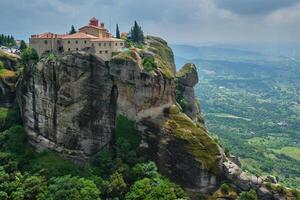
[136, 34]
[7, 40]
[23, 45]
[118, 32]
[29, 55]
[73, 30]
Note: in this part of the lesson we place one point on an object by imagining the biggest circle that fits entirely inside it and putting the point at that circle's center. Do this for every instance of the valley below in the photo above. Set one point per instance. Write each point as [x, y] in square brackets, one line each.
[251, 103]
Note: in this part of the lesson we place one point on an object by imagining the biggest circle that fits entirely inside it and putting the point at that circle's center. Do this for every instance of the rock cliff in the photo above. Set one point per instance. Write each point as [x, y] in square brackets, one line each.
[8, 78]
[69, 104]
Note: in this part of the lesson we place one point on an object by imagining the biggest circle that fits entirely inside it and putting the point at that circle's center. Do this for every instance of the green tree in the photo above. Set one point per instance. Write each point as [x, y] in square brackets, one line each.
[73, 30]
[144, 170]
[118, 32]
[29, 55]
[102, 162]
[137, 34]
[250, 195]
[148, 189]
[73, 188]
[23, 45]
[35, 187]
[115, 187]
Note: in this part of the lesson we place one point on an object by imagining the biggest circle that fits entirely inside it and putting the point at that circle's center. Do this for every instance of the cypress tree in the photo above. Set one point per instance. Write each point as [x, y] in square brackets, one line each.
[136, 33]
[73, 30]
[1, 39]
[23, 45]
[118, 32]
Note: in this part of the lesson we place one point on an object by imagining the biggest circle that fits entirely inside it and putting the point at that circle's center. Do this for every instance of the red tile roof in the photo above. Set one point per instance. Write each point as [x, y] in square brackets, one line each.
[48, 35]
[107, 40]
[96, 27]
[79, 35]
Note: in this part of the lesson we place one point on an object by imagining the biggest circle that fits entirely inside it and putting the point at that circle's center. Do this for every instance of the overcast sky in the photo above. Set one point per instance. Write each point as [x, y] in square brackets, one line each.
[178, 21]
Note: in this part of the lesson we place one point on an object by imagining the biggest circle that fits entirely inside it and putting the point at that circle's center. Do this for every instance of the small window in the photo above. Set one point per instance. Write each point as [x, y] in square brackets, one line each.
[100, 44]
[69, 49]
[76, 49]
[121, 44]
[84, 41]
[116, 44]
[109, 44]
[104, 44]
[76, 41]
[46, 42]
[106, 52]
[69, 42]
[100, 52]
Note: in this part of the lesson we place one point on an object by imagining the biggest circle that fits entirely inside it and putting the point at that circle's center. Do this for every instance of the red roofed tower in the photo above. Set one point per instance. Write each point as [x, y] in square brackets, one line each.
[94, 22]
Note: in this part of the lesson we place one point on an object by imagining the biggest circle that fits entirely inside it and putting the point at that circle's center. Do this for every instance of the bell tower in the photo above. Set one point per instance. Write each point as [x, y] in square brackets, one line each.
[94, 22]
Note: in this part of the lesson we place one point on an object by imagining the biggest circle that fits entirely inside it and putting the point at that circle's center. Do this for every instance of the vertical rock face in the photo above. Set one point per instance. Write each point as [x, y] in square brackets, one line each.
[70, 106]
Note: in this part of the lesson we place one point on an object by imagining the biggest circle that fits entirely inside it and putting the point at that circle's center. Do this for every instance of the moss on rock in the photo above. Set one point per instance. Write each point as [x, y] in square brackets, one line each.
[197, 142]
[187, 68]
[123, 57]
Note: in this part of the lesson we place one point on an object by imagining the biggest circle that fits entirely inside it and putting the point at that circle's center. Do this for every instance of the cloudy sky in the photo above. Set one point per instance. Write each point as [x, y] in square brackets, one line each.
[178, 21]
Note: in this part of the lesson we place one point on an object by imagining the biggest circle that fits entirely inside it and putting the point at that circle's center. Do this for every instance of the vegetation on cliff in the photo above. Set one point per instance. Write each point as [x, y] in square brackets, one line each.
[197, 142]
[118, 173]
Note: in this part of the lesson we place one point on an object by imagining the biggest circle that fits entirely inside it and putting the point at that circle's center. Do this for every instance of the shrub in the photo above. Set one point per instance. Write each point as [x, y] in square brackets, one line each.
[52, 57]
[250, 195]
[225, 188]
[149, 64]
[29, 55]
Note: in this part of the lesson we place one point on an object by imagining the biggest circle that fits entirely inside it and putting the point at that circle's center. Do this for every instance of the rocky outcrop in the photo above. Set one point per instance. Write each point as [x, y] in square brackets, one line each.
[69, 104]
[186, 79]
[266, 187]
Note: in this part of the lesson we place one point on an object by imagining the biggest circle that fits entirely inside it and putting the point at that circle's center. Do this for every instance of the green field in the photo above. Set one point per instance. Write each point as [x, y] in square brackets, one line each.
[293, 152]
